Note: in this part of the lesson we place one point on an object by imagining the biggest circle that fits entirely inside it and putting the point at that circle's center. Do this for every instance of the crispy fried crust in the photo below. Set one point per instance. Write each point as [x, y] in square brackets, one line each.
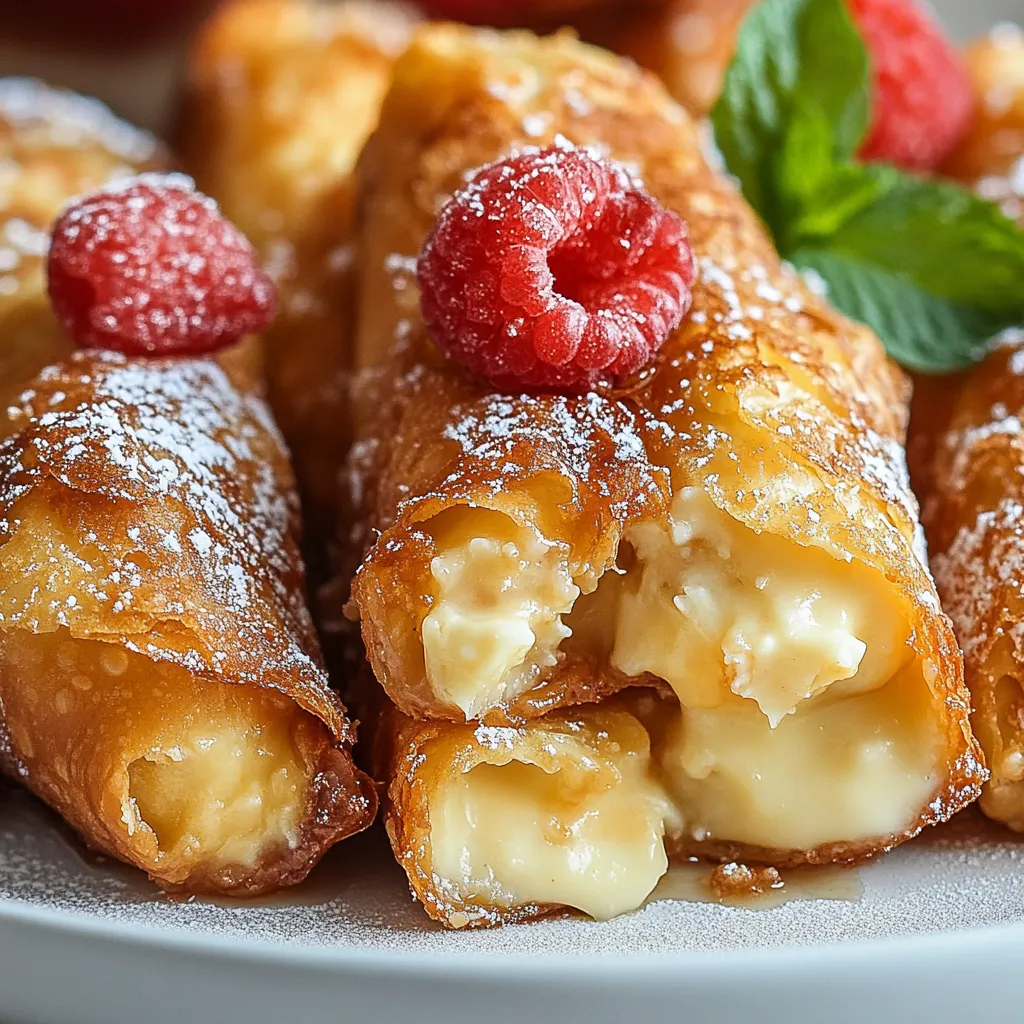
[991, 157]
[149, 506]
[764, 379]
[282, 95]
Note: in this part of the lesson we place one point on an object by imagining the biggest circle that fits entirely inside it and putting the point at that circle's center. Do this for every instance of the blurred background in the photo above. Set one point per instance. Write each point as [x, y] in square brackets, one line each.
[129, 53]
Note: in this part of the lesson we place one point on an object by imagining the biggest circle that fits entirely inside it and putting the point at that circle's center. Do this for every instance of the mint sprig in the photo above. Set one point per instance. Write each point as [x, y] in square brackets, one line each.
[931, 267]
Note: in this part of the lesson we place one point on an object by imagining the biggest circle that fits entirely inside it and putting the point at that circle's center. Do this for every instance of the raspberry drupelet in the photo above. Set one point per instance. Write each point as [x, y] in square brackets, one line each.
[923, 100]
[552, 269]
[150, 267]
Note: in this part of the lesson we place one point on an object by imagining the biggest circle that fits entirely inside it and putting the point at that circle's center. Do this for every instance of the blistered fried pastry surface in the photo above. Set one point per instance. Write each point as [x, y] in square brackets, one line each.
[734, 525]
[283, 93]
[54, 145]
[976, 529]
[160, 678]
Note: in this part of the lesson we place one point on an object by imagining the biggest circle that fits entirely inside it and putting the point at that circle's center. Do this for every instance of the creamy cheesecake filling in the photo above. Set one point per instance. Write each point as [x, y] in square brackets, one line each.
[717, 610]
[843, 770]
[188, 773]
[496, 619]
[565, 813]
[230, 789]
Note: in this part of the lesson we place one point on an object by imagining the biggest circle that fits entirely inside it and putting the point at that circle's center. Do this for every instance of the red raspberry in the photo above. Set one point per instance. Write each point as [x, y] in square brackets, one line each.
[923, 97]
[150, 267]
[553, 269]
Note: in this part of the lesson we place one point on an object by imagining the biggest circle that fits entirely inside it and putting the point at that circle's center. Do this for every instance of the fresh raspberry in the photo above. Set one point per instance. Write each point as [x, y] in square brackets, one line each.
[150, 267]
[923, 98]
[552, 269]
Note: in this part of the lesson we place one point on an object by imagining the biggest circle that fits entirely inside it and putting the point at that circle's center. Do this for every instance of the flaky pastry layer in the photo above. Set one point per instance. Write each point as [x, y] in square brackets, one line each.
[975, 519]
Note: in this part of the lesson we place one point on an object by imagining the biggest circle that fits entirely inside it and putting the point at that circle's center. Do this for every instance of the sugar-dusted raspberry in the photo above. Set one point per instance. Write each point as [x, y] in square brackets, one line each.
[552, 269]
[923, 99]
[150, 267]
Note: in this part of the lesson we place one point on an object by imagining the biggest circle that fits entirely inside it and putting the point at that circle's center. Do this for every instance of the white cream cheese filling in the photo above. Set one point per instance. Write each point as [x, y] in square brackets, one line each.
[226, 792]
[714, 608]
[553, 817]
[496, 621]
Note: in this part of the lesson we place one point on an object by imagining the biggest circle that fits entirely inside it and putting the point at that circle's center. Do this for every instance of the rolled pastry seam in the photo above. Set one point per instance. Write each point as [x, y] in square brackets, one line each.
[282, 95]
[160, 678]
[736, 523]
[976, 530]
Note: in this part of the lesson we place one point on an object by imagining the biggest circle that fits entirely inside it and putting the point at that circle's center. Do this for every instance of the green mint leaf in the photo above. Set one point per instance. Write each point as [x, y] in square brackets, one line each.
[920, 331]
[948, 241]
[795, 102]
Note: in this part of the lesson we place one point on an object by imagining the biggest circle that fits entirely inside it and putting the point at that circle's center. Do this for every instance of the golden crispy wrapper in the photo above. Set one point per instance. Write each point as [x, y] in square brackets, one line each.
[160, 678]
[975, 523]
[529, 553]
[991, 157]
[283, 94]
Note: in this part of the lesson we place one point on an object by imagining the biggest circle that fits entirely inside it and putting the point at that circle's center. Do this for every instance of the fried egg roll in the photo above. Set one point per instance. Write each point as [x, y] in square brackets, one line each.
[976, 529]
[54, 145]
[974, 511]
[991, 156]
[160, 681]
[283, 94]
[496, 825]
[687, 43]
[734, 524]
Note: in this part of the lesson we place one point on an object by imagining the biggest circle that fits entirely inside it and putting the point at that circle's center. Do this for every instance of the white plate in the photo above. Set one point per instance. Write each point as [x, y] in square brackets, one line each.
[936, 934]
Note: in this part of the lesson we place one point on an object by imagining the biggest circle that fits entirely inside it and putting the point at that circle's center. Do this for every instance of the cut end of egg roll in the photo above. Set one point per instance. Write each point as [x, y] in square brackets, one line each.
[734, 527]
[504, 824]
[160, 679]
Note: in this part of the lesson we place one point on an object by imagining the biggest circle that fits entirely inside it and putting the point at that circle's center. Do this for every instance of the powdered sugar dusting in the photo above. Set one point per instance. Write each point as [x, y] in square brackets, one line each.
[963, 875]
[203, 535]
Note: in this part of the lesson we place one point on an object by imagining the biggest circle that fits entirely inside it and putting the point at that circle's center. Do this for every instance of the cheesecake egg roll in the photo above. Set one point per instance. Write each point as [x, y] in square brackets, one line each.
[974, 511]
[54, 145]
[687, 43]
[732, 528]
[160, 681]
[282, 95]
[991, 156]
